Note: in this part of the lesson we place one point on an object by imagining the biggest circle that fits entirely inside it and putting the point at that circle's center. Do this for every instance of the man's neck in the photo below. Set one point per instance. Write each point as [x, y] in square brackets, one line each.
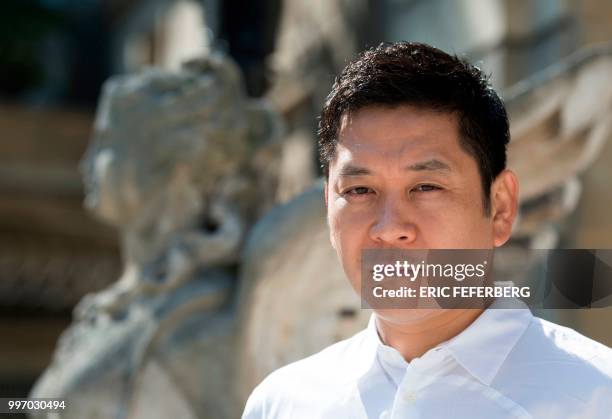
[414, 339]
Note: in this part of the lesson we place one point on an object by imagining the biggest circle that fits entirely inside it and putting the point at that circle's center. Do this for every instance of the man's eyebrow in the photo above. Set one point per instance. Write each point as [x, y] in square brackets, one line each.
[433, 164]
[427, 165]
[350, 170]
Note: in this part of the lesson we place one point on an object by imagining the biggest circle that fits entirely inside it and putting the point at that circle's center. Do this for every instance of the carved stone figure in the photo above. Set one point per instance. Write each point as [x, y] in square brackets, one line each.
[177, 163]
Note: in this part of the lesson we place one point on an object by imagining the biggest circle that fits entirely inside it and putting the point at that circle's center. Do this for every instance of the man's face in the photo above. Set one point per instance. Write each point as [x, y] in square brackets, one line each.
[400, 179]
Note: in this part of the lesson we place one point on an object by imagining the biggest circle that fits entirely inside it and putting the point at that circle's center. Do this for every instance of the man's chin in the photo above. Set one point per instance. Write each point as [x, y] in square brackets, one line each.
[408, 316]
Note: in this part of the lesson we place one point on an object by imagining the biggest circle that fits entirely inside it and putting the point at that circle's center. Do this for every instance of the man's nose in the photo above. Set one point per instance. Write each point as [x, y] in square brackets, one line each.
[393, 225]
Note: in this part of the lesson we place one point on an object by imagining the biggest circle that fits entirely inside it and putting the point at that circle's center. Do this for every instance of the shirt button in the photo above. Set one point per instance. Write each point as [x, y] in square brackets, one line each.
[385, 415]
[409, 397]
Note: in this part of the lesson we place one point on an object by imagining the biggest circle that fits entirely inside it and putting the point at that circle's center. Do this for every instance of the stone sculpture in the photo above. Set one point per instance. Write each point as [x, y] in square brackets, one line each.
[178, 163]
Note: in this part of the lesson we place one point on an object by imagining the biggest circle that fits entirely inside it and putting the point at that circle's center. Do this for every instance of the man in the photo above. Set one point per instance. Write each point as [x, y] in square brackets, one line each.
[413, 146]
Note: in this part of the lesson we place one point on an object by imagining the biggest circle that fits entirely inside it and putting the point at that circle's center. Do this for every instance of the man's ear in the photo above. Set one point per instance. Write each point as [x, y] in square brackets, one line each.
[325, 192]
[504, 205]
[331, 236]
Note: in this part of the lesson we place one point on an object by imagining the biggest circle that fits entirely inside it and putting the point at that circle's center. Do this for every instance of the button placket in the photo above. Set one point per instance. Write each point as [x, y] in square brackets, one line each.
[409, 397]
[410, 385]
[420, 373]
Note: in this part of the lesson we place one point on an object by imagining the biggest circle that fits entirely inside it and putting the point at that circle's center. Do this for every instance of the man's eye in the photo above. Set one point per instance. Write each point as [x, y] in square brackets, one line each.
[426, 188]
[359, 190]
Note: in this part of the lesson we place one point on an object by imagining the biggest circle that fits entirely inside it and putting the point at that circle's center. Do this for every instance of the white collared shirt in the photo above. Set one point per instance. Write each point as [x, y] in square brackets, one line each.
[506, 364]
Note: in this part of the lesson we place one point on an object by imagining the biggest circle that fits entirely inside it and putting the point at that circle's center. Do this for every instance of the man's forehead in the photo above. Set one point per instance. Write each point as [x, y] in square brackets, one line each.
[348, 169]
[399, 137]
[399, 127]
[397, 116]
[349, 162]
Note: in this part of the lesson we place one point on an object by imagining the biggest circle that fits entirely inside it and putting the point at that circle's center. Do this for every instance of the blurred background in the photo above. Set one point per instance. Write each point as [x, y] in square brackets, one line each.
[56, 54]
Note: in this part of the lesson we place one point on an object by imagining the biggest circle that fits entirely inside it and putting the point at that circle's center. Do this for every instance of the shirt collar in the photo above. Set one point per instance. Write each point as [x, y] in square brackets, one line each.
[481, 348]
[368, 350]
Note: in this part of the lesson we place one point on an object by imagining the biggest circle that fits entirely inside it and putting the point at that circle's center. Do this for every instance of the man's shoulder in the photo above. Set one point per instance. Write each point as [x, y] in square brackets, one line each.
[560, 344]
[559, 361]
[331, 364]
[312, 378]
